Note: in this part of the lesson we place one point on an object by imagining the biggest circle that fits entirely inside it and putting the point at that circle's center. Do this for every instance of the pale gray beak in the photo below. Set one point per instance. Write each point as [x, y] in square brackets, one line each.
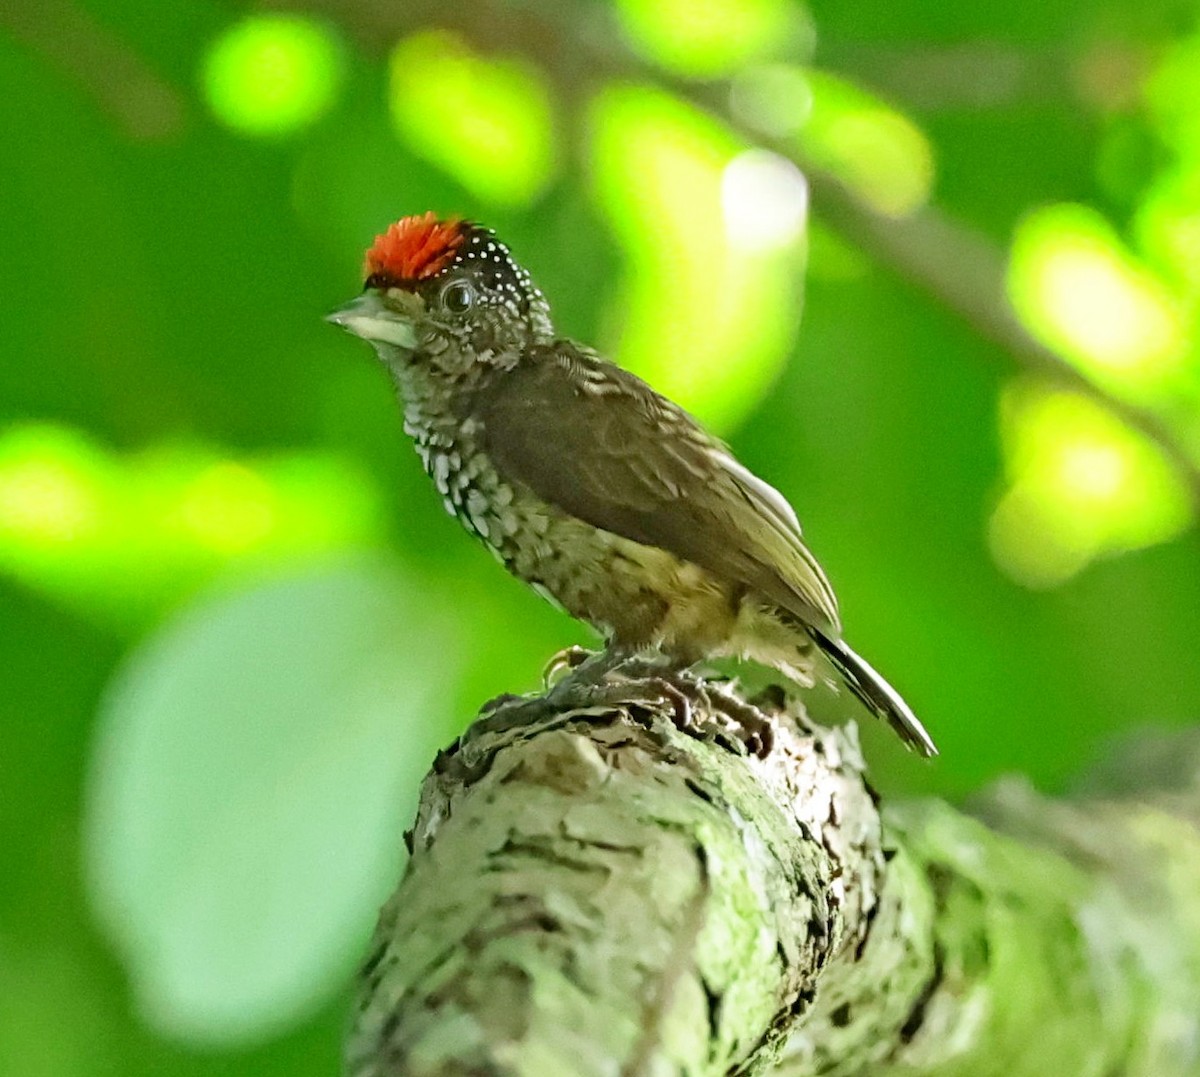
[370, 318]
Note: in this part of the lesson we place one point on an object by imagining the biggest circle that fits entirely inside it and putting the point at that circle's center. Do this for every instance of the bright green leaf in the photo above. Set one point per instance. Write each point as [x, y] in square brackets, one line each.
[272, 74]
[875, 150]
[712, 37]
[712, 296]
[1082, 485]
[1171, 93]
[1168, 226]
[122, 538]
[256, 763]
[487, 122]
[1081, 292]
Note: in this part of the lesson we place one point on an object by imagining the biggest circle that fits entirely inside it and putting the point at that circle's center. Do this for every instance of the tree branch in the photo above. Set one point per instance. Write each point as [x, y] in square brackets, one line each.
[593, 890]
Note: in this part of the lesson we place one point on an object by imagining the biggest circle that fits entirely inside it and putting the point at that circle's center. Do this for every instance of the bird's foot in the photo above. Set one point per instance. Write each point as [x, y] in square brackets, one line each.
[683, 713]
[627, 690]
[597, 668]
[753, 728]
[693, 708]
[566, 661]
[695, 701]
[615, 676]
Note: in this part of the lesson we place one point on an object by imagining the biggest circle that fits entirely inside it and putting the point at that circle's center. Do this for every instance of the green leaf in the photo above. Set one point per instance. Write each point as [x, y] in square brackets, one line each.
[709, 318]
[256, 763]
[273, 74]
[488, 122]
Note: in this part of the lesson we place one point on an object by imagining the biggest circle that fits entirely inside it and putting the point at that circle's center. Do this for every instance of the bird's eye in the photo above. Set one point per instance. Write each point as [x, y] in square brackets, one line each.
[458, 297]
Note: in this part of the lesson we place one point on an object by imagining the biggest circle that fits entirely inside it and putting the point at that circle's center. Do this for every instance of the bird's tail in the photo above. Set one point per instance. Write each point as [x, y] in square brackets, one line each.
[879, 697]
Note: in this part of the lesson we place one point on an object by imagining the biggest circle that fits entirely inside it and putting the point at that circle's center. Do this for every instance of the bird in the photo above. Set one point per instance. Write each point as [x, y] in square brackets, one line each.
[600, 493]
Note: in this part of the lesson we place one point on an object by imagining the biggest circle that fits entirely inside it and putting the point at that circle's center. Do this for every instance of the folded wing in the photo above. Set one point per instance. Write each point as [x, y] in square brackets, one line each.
[600, 444]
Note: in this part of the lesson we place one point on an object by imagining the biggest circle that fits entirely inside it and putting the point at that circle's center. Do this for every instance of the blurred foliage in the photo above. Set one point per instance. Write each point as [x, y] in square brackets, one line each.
[273, 738]
[875, 150]
[1080, 291]
[236, 623]
[713, 37]
[727, 308]
[272, 75]
[122, 540]
[487, 123]
[1082, 481]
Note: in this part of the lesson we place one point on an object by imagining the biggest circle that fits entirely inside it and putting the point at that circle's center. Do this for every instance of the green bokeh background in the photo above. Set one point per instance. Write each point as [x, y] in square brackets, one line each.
[188, 456]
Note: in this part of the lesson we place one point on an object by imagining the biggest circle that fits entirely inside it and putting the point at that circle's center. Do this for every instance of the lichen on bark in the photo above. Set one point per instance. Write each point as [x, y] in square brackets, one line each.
[596, 891]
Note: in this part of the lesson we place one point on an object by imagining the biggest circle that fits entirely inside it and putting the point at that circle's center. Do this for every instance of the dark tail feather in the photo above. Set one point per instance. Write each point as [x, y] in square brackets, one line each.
[879, 697]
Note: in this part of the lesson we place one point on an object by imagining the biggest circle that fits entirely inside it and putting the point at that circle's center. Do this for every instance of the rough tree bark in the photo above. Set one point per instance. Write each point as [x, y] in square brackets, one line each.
[595, 891]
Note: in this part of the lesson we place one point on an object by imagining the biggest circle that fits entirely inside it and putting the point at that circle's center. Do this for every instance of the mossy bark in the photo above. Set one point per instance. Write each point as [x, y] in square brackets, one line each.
[597, 892]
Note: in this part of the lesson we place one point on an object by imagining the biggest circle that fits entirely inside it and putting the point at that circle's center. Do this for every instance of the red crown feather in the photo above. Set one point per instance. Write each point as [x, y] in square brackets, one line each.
[414, 248]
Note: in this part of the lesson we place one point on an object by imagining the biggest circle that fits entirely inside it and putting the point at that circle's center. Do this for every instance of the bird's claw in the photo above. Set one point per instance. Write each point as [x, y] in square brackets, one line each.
[565, 661]
[753, 728]
[682, 713]
[606, 677]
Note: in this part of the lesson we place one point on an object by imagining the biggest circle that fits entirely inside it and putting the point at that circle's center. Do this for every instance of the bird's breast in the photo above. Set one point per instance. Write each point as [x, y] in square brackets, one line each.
[639, 594]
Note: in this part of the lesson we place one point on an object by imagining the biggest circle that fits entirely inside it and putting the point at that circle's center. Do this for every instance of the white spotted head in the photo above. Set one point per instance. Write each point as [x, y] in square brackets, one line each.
[447, 293]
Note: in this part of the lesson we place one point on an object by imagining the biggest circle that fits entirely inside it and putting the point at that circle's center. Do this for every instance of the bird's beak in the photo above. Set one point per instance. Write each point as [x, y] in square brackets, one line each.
[369, 317]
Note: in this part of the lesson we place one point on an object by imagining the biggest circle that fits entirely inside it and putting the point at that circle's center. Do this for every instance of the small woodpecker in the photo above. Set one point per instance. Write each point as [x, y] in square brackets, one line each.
[604, 496]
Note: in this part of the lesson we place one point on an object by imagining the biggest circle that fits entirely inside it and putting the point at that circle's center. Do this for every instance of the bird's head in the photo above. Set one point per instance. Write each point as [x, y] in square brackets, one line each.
[445, 293]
